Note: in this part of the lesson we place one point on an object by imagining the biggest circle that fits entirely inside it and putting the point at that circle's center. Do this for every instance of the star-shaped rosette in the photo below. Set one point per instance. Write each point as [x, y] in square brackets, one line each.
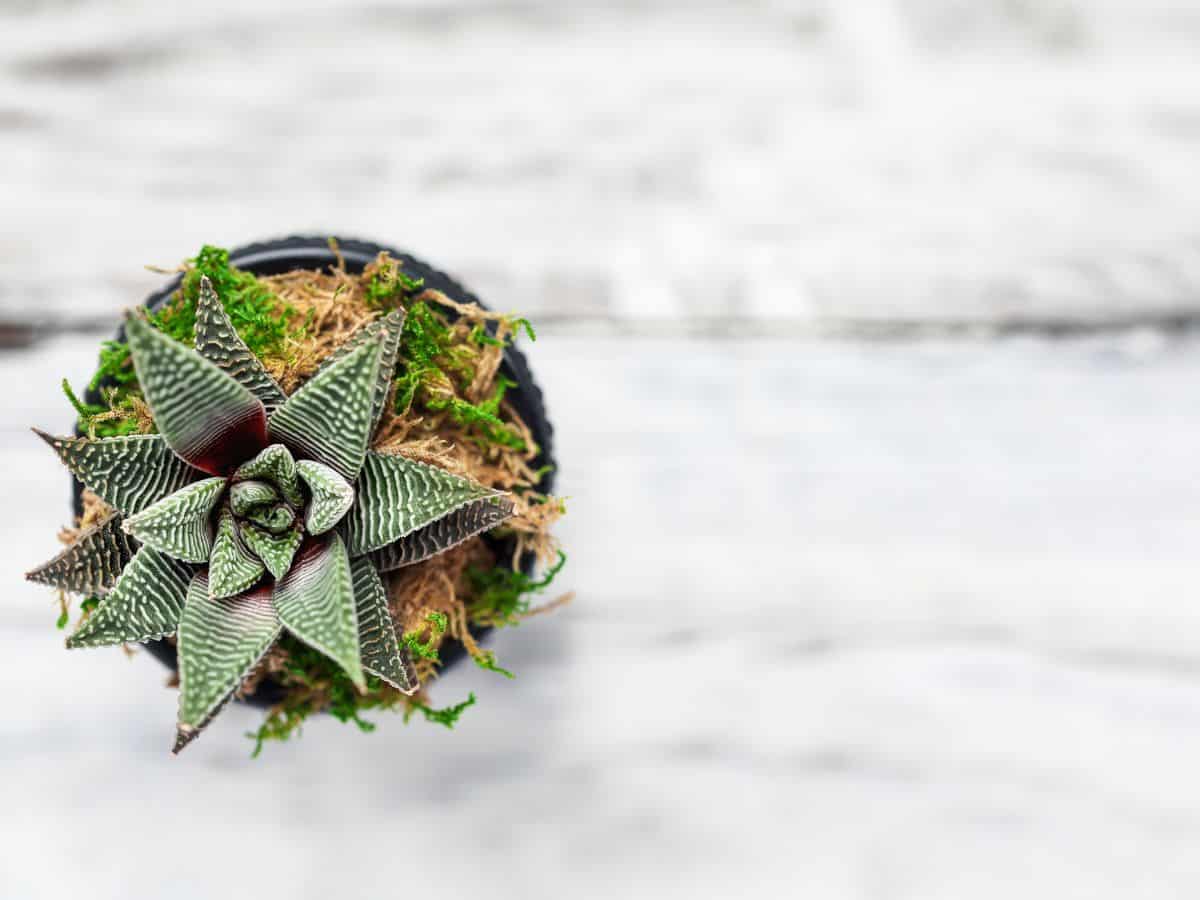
[252, 512]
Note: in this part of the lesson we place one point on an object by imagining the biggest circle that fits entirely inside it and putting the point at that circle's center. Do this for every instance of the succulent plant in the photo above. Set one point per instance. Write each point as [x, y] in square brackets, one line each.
[252, 512]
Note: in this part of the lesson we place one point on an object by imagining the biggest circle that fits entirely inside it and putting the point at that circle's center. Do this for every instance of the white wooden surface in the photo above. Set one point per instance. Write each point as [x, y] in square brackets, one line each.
[867, 607]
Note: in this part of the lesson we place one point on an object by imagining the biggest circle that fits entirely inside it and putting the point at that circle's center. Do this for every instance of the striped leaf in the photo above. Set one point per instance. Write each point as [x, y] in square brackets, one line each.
[217, 341]
[209, 419]
[275, 550]
[245, 495]
[92, 563]
[180, 525]
[448, 531]
[275, 465]
[128, 473]
[232, 568]
[329, 418]
[331, 496]
[382, 654]
[315, 602]
[396, 496]
[391, 327]
[220, 643]
[143, 605]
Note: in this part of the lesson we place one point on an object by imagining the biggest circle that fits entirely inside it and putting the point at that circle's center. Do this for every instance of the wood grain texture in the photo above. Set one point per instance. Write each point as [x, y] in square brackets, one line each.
[856, 618]
[934, 624]
[831, 165]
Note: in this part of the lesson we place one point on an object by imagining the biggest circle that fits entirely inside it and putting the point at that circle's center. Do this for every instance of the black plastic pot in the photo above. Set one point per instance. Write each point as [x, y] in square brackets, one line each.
[286, 254]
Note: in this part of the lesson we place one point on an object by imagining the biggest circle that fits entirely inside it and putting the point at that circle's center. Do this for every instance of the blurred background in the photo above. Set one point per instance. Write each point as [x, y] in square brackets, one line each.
[868, 331]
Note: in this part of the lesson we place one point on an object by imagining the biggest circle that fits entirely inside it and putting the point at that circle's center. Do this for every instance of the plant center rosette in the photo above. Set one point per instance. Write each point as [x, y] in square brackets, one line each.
[253, 517]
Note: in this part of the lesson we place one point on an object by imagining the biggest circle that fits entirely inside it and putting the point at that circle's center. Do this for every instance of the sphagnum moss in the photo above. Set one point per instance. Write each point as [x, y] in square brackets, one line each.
[447, 408]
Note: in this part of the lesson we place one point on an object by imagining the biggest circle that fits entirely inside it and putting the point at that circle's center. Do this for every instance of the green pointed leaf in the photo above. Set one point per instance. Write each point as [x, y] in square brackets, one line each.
[245, 495]
[92, 563]
[315, 602]
[209, 419]
[382, 654]
[391, 327]
[329, 418]
[276, 465]
[331, 496]
[128, 473]
[218, 341]
[180, 525]
[396, 496]
[143, 605]
[276, 550]
[232, 568]
[220, 643]
[449, 531]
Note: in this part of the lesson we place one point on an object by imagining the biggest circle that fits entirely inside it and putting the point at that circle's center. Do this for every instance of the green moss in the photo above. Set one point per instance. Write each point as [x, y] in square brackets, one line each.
[317, 684]
[260, 318]
[501, 596]
[83, 410]
[118, 417]
[435, 369]
[487, 660]
[389, 284]
[64, 611]
[436, 625]
[447, 716]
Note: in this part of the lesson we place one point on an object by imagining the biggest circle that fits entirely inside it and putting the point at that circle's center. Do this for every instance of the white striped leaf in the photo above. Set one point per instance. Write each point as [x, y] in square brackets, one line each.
[128, 473]
[391, 327]
[218, 341]
[209, 419]
[92, 563]
[396, 496]
[180, 525]
[244, 495]
[315, 602]
[220, 643]
[232, 568]
[329, 418]
[143, 605]
[382, 654]
[275, 465]
[448, 531]
[275, 550]
[331, 496]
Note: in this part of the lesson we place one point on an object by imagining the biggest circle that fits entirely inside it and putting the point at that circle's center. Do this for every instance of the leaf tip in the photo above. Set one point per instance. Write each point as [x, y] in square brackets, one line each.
[184, 735]
[45, 436]
[136, 321]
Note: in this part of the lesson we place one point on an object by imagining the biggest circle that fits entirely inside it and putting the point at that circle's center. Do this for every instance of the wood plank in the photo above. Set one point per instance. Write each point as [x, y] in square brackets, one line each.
[853, 619]
[796, 165]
